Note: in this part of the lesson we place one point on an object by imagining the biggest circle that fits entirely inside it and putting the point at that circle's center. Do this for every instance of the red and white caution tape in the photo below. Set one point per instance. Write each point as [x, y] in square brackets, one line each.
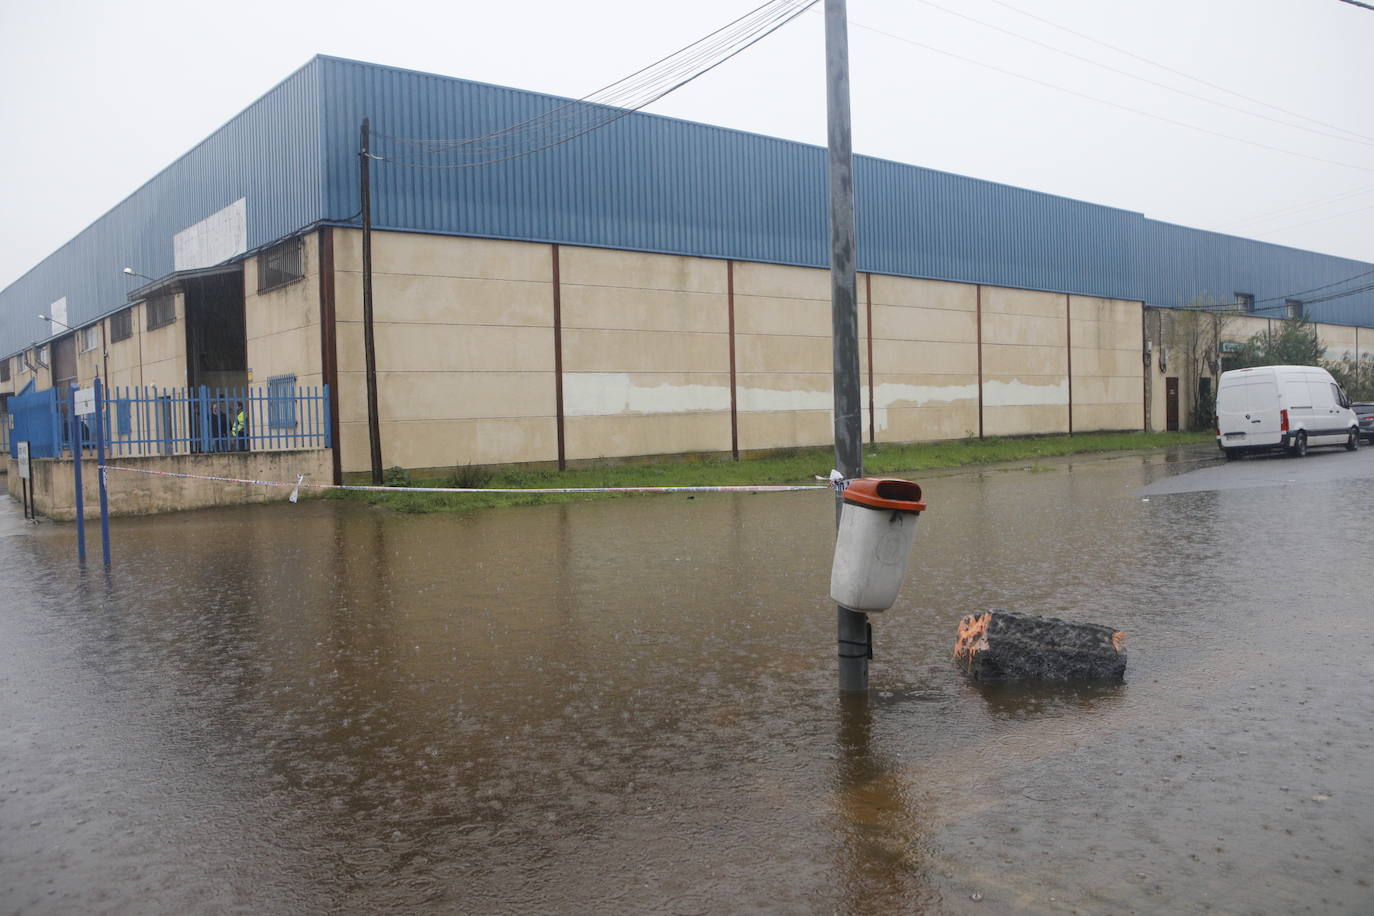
[300, 482]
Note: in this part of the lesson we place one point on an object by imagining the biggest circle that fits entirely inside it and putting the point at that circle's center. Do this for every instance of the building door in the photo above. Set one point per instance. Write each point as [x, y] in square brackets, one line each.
[1171, 404]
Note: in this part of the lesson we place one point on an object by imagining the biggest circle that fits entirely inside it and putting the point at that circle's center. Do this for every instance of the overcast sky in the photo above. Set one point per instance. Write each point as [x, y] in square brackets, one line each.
[96, 98]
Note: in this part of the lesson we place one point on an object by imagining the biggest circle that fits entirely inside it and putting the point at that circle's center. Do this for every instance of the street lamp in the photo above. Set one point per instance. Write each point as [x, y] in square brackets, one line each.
[52, 320]
[133, 273]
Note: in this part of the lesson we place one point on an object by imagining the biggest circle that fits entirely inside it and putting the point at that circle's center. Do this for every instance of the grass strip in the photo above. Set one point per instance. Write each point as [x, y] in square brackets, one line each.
[793, 466]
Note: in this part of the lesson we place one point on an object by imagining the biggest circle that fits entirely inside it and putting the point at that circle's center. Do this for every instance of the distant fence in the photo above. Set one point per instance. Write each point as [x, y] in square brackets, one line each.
[144, 421]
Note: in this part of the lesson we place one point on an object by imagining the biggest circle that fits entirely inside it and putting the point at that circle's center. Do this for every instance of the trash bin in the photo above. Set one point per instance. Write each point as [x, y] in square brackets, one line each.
[873, 545]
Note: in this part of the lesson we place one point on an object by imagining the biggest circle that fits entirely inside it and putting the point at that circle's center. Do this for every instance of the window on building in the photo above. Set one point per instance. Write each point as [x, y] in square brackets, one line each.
[162, 310]
[1245, 303]
[124, 417]
[281, 402]
[1292, 308]
[42, 356]
[5, 370]
[88, 338]
[122, 325]
[280, 265]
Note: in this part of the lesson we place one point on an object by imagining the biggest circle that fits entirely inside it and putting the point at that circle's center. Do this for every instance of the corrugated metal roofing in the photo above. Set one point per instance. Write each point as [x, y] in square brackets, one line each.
[644, 183]
[269, 154]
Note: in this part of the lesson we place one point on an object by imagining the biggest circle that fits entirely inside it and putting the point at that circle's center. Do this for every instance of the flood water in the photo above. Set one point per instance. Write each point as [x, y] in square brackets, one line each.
[629, 706]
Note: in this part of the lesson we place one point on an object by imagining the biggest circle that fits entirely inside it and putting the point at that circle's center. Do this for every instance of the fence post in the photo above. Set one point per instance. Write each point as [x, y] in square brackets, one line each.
[76, 475]
[203, 410]
[101, 425]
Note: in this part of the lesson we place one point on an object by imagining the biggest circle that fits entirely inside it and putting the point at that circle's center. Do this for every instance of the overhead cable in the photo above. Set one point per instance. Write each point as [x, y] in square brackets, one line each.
[1102, 101]
[606, 105]
[1197, 79]
[1165, 86]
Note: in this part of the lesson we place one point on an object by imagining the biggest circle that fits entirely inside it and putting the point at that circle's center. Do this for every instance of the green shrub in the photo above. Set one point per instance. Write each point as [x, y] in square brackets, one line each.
[470, 477]
[397, 476]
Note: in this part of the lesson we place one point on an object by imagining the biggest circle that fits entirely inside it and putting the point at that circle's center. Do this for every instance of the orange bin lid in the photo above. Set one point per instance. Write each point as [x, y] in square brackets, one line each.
[885, 493]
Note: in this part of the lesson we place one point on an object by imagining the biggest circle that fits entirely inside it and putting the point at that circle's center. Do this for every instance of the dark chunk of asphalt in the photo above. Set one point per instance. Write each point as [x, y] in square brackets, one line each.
[1002, 645]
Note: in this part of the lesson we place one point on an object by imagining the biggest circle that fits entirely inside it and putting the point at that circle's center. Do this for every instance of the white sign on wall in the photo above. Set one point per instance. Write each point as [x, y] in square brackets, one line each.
[57, 317]
[215, 239]
[21, 454]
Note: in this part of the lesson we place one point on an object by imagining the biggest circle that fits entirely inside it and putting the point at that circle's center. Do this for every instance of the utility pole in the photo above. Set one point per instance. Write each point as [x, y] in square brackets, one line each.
[374, 433]
[855, 644]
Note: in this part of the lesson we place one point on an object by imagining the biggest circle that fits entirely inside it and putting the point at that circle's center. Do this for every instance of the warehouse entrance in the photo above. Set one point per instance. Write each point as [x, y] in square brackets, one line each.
[216, 337]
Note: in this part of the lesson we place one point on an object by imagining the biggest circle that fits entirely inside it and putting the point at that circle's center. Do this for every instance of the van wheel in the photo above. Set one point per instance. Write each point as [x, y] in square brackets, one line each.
[1353, 442]
[1299, 446]
[1232, 454]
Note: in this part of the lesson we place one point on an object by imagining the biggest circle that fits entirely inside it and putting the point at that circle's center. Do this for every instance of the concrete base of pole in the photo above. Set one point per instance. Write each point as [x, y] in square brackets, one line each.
[855, 648]
[1007, 646]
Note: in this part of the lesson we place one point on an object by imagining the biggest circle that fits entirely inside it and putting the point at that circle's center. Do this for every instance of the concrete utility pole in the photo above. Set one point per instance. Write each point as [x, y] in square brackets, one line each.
[374, 434]
[853, 631]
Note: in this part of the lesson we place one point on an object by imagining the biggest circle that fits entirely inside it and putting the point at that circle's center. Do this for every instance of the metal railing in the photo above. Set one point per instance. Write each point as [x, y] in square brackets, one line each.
[144, 421]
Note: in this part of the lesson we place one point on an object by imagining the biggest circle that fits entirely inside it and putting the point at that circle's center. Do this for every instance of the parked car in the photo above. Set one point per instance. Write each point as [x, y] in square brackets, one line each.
[1282, 407]
[1364, 412]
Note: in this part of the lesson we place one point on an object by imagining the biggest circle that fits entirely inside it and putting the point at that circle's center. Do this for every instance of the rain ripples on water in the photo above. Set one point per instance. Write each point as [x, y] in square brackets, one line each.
[629, 706]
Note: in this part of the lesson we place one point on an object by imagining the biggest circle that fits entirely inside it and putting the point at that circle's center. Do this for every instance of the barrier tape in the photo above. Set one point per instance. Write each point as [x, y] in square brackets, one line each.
[835, 483]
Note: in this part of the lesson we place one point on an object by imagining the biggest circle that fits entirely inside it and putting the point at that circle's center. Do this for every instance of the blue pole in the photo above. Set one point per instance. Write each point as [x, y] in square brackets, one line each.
[100, 463]
[76, 472]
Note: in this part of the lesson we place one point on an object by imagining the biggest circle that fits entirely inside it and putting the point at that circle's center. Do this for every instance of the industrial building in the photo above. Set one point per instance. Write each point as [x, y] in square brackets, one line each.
[653, 286]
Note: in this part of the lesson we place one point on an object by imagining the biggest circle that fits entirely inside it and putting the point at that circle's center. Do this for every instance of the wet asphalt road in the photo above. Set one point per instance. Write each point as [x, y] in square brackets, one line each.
[628, 706]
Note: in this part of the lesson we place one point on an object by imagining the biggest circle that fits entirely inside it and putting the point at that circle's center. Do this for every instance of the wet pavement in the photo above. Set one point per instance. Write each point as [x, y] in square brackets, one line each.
[629, 706]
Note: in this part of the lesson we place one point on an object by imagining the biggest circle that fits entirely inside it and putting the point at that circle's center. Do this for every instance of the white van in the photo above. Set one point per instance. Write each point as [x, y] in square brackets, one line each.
[1282, 407]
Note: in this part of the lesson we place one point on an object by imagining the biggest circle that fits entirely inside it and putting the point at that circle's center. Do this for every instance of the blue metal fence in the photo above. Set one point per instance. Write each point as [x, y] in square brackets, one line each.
[141, 421]
[37, 421]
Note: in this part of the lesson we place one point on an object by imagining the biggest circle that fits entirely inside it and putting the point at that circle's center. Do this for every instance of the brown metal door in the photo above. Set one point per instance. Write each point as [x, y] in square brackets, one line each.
[1171, 404]
[64, 364]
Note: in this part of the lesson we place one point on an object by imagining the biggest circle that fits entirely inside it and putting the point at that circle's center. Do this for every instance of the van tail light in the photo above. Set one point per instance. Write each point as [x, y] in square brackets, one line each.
[1283, 421]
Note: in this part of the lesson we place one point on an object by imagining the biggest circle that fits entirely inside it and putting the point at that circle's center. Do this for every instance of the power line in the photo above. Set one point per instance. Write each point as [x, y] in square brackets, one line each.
[1176, 72]
[1320, 219]
[574, 119]
[1230, 306]
[1144, 79]
[1102, 101]
[1298, 208]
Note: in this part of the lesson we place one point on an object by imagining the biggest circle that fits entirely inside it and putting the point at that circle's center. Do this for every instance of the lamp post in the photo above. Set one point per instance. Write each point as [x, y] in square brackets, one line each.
[133, 273]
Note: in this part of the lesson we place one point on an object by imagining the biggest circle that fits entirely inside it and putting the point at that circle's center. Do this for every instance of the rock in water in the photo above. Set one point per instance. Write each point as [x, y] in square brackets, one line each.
[1005, 645]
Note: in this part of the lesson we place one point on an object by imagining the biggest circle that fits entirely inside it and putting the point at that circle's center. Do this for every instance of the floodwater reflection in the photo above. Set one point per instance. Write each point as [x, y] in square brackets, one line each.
[629, 706]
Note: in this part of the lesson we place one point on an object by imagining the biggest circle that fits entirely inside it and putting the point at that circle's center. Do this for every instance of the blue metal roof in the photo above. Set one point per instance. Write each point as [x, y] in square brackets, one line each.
[269, 154]
[645, 183]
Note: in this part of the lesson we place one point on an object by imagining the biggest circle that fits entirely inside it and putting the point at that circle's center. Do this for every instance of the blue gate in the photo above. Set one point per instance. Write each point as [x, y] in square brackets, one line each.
[38, 421]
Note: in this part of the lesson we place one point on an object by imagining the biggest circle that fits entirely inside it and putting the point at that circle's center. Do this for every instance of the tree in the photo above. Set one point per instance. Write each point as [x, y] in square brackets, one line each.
[1295, 344]
[1195, 335]
[1355, 376]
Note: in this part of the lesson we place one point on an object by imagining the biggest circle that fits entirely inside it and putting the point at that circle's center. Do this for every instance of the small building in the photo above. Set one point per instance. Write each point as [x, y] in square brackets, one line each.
[545, 293]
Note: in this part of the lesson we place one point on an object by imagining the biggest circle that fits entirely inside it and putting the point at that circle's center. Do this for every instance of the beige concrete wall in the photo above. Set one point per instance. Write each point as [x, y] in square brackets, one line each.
[163, 349]
[124, 356]
[646, 353]
[282, 325]
[1025, 362]
[1106, 352]
[464, 350]
[782, 356]
[29, 370]
[54, 496]
[925, 358]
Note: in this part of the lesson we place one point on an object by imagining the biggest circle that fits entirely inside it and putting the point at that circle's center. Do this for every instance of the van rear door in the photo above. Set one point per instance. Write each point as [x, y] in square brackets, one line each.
[1248, 411]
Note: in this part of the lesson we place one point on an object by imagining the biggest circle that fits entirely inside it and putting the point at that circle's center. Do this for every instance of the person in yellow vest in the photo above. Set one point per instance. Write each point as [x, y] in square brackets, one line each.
[239, 429]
